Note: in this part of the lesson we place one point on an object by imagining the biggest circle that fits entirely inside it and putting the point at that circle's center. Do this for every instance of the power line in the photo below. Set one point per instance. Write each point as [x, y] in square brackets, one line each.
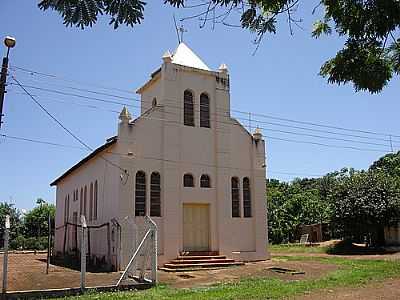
[65, 128]
[48, 143]
[32, 72]
[264, 128]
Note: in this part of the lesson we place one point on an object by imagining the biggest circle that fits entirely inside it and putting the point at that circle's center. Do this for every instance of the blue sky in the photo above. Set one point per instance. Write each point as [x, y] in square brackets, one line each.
[280, 80]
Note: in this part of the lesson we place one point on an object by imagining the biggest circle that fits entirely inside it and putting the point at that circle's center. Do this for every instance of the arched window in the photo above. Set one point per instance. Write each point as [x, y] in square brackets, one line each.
[85, 203]
[66, 209]
[81, 204]
[155, 195]
[154, 102]
[91, 202]
[205, 181]
[246, 198]
[140, 194]
[235, 197]
[188, 180]
[188, 108]
[95, 201]
[204, 111]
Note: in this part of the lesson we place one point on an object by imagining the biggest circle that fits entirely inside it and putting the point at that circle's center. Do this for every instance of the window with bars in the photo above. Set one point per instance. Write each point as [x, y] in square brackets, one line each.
[235, 197]
[246, 198]
[188, 108]
[140, 194]
[188, 180]
[205, 181]
[204, 111]
[155, 195]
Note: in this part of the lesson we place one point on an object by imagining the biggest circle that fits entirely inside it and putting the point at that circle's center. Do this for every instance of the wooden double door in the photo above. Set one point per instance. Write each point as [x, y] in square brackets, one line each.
[196, 227]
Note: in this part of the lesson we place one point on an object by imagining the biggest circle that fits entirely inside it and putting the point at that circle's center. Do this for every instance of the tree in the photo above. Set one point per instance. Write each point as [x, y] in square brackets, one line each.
[364, 203]
[390, 164]
[15, 221]
[36, 220]
[369, 59]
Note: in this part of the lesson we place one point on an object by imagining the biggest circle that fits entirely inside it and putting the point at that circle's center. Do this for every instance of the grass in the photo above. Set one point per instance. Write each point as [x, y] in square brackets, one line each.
[349, 274]
[297, 248]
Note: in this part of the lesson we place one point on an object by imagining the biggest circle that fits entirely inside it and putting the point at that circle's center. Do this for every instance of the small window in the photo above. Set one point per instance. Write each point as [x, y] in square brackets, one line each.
[155, 195]
[204, 111]
[235, 197]
[140, 194]
[246, 198]
[188, 108]
[205, 181]
[188, 180]
[154, 102]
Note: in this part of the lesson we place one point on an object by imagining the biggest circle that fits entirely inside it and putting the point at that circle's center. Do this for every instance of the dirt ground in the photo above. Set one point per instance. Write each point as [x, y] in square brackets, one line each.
[249, 270]
[28, 272]
[386, 290]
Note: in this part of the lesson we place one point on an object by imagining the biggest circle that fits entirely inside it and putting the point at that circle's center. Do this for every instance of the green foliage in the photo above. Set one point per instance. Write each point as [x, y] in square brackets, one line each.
[293, 204]
[36, 220]
[83, 13]
[390, 164]
[365, 202]
[15, 221]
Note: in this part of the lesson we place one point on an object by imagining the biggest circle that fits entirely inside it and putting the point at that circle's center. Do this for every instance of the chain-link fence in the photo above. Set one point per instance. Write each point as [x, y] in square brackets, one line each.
[80, 257]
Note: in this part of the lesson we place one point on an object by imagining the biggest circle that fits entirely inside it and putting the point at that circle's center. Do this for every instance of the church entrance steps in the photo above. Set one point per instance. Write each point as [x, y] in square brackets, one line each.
[199, 262]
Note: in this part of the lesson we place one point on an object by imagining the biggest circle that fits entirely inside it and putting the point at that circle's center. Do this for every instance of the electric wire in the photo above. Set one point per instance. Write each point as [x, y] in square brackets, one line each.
[32, 72]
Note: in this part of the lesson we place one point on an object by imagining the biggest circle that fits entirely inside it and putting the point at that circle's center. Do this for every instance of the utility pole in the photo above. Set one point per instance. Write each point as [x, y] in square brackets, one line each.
[10, 43]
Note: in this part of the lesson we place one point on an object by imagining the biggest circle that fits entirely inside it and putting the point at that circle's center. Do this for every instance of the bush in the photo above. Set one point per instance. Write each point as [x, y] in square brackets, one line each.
[31, 243]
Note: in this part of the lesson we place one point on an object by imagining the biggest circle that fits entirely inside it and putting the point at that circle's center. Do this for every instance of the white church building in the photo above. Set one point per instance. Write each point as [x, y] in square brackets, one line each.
[185, 162]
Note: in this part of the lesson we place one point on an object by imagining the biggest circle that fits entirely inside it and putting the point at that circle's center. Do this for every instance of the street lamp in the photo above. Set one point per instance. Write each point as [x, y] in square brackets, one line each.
[10, 42]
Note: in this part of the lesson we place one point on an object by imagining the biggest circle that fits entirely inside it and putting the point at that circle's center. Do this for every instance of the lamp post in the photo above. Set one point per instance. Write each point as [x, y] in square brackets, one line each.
[10, 43]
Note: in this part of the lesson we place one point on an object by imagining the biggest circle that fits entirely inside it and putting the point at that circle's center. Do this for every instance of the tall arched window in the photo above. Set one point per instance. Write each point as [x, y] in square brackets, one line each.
[140, 194]
[81, 204]
[204, 111]
[235, 197]
[205, 181]
[246, 198]
[85, 202]
[66, 209]
[95, 201]
[91, 202]
[188, 108]
[155, 195]
[188, 180]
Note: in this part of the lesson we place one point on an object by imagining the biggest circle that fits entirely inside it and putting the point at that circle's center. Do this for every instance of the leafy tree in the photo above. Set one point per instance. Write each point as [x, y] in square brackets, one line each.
[364, 203]
[36, 220]
[15, 221]
[390, 164]
[369, 59]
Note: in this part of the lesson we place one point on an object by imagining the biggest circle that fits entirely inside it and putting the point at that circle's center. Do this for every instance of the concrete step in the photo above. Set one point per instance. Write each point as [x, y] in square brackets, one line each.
[203, 265]
[199, 253]
[193, 269]
[203, 257]
[200, 261]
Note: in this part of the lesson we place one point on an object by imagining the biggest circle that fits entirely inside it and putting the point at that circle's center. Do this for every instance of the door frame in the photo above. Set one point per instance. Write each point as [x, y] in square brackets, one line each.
[209, 223]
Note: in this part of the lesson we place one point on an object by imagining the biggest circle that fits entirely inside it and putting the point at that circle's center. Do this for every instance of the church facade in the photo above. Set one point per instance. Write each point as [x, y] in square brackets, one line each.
[185, 162]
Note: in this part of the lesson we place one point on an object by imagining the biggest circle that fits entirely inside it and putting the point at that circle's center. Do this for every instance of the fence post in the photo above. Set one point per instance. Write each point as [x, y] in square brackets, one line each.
[154, 257]
[83, 252]
[5, 257]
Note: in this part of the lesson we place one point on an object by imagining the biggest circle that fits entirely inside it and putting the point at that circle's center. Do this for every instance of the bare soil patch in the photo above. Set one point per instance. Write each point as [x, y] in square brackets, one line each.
[386, 290]
[28, 272]
[249, 270]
